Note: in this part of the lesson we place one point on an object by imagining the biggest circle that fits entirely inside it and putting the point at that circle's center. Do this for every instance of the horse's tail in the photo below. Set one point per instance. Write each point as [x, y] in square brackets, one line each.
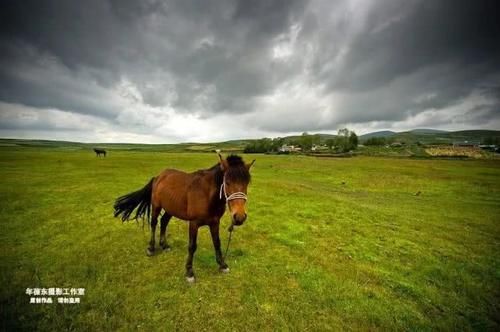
[140, 199]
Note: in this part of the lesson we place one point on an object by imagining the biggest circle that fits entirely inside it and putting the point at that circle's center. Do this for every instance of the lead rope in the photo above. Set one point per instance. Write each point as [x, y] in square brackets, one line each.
[230, 229]
[236, 195]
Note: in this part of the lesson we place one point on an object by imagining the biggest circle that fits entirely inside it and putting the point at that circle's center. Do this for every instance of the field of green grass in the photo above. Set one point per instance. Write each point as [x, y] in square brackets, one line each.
[362, 243]
[23, 144]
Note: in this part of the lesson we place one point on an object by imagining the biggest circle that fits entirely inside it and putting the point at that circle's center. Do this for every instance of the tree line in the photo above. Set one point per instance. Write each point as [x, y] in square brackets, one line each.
[377, 141]
[345, 141]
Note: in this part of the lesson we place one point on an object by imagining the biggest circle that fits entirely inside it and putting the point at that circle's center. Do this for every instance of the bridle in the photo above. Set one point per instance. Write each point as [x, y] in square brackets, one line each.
[233, 196]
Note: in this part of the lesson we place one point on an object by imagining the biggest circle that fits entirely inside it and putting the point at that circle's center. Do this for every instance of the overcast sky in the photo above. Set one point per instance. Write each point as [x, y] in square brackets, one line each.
[178, 71]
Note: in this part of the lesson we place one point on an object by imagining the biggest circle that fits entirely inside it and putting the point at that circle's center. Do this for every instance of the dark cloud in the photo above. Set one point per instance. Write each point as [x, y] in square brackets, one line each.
[317, 64]
[398, 41]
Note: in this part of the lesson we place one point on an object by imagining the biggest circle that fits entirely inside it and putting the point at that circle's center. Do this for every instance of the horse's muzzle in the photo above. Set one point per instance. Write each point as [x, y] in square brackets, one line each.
[239, 218]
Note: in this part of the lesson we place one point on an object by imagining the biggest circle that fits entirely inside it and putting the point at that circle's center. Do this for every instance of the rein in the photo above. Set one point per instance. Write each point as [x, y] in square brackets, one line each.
[233, 196]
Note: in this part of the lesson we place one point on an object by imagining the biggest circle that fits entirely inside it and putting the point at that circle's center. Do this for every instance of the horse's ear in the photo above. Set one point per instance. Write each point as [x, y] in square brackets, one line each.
[223, 162]
[250, 165]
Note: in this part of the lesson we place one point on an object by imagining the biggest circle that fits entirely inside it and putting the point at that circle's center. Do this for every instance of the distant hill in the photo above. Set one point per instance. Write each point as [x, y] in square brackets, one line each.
[433, 136]
[427, 131]
[425, 136]
[446, 137]
[384, 133]
[389, 133]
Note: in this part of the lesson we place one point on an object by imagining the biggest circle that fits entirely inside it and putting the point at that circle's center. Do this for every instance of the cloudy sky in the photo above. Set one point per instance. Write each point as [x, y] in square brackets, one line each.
[177, 71]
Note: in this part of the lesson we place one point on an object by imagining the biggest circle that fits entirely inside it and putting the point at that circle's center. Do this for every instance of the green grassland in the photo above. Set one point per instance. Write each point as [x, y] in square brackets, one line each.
[22, 144]
[414, 144]
[362, 243]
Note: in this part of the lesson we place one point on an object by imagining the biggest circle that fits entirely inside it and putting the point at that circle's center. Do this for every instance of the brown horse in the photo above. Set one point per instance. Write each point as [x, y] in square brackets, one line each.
[199, 198]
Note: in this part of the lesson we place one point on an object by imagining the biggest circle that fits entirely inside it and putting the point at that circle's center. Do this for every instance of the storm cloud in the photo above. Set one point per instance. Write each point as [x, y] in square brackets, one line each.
[170, 71]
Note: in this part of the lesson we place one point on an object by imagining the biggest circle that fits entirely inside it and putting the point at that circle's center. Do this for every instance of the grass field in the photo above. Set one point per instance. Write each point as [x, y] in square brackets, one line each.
[330, 244]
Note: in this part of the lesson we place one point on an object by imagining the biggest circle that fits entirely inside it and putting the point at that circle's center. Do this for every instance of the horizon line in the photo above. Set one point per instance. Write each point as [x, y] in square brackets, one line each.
[236, 139]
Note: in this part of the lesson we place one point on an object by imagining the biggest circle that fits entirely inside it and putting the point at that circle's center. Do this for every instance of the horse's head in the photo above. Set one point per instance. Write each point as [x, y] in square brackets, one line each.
[234, 186]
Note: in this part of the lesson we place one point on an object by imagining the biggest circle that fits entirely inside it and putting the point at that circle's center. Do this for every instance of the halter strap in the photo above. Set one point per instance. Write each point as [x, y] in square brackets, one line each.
[233, 196]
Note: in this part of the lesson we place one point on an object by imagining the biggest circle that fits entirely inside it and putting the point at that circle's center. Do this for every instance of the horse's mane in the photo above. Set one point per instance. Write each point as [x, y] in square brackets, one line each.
[235, 160]
[237, 170]
[218, 174]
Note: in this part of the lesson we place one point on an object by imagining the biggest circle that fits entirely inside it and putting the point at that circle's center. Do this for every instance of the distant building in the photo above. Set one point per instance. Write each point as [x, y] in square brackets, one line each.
[318, 147]
[289, 148]
[489, 147]
[468, 144]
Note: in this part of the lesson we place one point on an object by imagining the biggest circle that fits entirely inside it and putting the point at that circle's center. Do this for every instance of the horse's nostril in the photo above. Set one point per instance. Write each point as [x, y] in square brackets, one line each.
[238, 219]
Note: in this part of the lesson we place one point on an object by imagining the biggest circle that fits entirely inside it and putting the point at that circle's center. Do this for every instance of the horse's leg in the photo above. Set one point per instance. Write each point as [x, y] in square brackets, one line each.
[214, 231]
[163, 228]
[193, 234]
[154, 220]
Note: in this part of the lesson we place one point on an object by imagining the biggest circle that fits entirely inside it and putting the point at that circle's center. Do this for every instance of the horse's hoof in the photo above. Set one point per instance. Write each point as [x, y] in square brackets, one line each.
[150, 252]
[224, 270]
[166, 247]
[190, 280]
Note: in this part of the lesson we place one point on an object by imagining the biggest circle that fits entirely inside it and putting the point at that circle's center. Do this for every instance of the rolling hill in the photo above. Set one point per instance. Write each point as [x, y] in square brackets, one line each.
[384, 133]
[424, 136]
[430, 136]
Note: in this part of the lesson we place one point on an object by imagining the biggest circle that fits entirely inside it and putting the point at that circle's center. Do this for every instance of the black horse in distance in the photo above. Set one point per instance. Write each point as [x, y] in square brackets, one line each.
[99, 152]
